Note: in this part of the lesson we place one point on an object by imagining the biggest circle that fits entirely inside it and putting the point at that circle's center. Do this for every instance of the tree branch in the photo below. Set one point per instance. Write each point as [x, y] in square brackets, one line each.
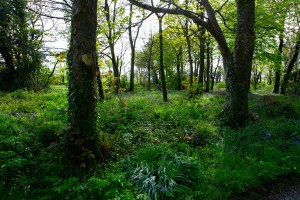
[224, 22]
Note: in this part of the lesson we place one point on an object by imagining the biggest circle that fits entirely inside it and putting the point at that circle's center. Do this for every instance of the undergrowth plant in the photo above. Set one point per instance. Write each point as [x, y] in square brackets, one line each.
[150, 149]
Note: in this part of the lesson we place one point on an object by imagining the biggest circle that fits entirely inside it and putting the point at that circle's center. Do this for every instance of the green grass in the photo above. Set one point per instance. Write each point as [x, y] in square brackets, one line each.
[150, 149]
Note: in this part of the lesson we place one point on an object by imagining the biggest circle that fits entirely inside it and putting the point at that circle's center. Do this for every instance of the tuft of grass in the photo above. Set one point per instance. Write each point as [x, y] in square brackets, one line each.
[162, 173]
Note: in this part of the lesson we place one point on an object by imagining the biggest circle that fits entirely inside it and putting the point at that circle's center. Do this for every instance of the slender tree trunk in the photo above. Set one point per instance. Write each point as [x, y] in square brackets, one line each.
[131, 82]
[290, 67]
[99, 84]
[202, 65]
[114, 59]
[132, 46]
[278, 70]
[188, 42]
[178, 64]
[161, 62]
[270, 77]
[149, 75]
[207, 66]
[213, 77]
[82, 139]
[149, 63]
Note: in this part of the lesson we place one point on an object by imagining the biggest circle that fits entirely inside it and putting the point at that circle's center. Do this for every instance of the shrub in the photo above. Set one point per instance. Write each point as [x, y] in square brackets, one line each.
[161, 173]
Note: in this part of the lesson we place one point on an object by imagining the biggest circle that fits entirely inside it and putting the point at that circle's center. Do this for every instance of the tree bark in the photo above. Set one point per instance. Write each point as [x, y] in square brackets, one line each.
[114, 60]
[238, 70]
[207, 66]
[178, 65]
[132, 41]
[82, 139]
[290, 67]
[99, 84]
[132, 47]
[278, 70]
[161, 62]
[150, 61]
[188, 42]
[202, 59]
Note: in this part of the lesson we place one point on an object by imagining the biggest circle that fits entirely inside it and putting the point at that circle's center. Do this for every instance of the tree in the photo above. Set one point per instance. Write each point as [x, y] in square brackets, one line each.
[132, 40]
[82, 138]
[291, 65]
[20, 47]
[161, 60]
[237, 62]
[113, 20]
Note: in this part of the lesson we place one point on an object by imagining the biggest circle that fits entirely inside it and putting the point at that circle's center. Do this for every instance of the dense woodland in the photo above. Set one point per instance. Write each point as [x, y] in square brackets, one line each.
[194, 99]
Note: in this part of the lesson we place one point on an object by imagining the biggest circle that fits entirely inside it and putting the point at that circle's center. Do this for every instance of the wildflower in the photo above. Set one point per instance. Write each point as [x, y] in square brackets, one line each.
[197, 138]
[163, 188]
[267, 134]
[296, 143]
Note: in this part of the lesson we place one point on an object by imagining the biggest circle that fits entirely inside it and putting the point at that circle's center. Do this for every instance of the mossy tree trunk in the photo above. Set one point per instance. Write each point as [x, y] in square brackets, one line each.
[207, 66]
[238, 67]
[202, 59]
[290, 67]
[82, 139]
[278, 70]
[161, 62]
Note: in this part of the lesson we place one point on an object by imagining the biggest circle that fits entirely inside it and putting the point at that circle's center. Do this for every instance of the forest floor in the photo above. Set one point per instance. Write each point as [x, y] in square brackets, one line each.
[287, 193]
[283, 189]
[151, 149]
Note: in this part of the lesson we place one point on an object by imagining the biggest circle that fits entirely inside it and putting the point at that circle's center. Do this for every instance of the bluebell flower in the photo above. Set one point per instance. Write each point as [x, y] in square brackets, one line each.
[163, 188]
[197, 137]
[267, 134]
[296, 143]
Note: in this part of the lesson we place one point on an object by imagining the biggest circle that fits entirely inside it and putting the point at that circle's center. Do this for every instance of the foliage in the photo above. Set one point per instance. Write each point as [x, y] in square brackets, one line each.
[149, 149]
[20, 46]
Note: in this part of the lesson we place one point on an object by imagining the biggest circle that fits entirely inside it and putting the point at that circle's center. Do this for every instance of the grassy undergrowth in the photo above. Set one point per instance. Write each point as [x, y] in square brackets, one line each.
[151, 150]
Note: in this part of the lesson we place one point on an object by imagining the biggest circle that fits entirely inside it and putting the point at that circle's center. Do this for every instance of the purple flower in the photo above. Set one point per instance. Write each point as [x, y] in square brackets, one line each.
[267, 134]
[163, 188]
[197, 138]
[296, 143]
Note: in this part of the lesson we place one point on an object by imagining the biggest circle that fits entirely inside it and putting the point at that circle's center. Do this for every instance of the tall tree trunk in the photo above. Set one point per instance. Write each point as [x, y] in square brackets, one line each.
[290, 67]
[132, 41]
[132, 47]
[114, 60]
[202, 59]
[238, 71]
[278, 70]
[161, 62]
[99, 84]
[178, 64]
[207, 66]
[270, 77]
[150, 61]
[188, 42]
[82, 139]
